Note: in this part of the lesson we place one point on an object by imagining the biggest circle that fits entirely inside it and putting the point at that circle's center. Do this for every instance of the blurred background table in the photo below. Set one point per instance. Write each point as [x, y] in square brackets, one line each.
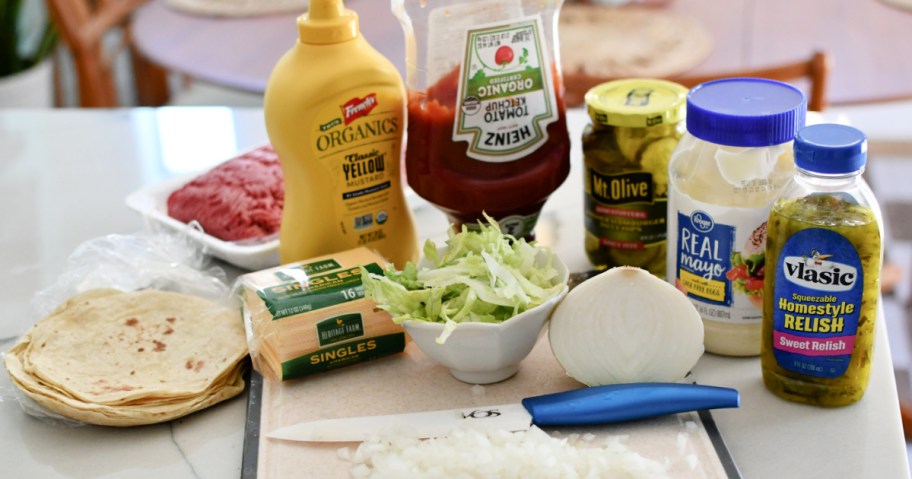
[240, 52]
[863, 38]
[902, 4]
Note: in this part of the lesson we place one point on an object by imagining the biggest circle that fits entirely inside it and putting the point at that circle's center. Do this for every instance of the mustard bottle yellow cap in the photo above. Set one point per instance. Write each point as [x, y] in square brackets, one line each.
[326, 22]
[637, 102]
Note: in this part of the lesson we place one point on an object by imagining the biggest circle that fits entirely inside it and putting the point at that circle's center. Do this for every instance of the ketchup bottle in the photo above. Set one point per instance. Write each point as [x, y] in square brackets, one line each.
[487, 130]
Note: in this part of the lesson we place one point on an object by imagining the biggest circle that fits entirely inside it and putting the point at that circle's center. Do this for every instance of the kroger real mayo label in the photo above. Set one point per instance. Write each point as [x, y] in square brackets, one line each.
[717, 258]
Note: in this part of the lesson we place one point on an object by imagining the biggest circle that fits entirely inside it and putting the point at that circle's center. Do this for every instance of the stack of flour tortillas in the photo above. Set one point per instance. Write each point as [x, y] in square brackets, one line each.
[129, 358]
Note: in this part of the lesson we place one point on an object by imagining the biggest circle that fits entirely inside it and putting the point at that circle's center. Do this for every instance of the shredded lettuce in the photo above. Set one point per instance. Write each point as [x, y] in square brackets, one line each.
[481, 275]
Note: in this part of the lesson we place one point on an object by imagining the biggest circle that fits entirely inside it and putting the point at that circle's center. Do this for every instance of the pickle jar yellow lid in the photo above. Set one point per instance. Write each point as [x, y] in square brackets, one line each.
[637, 102]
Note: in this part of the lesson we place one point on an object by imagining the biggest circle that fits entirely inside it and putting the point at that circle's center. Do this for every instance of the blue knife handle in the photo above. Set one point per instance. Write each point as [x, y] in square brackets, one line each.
[625, 402]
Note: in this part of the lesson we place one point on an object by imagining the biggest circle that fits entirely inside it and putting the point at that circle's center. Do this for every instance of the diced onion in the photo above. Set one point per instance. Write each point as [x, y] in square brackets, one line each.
[472, 453]
[626, 325]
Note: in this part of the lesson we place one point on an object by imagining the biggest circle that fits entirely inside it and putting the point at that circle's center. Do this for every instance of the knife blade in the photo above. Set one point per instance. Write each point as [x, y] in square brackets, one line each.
[595, 405]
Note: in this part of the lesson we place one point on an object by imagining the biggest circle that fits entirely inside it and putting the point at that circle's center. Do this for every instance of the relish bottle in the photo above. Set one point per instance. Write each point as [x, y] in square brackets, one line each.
[824, 252]
[487, 130]
[635, 125]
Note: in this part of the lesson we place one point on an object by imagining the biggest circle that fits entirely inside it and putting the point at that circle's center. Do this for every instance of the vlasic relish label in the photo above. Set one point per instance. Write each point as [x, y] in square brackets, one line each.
[506, 91]
[818, 289]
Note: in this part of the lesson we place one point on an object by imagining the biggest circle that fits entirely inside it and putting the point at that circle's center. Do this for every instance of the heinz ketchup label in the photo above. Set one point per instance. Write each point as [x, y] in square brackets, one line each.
[506, 96]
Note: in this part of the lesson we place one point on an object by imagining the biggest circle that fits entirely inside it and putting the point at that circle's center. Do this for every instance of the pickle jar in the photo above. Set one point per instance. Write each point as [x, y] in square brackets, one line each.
[824, 253]
[635, 125]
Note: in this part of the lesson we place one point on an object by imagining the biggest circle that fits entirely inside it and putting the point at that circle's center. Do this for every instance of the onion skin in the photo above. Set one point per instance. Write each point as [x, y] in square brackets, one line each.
[623, 326]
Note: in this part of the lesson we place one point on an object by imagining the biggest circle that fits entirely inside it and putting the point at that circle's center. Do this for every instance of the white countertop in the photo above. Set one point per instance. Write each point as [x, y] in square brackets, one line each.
[64, 175]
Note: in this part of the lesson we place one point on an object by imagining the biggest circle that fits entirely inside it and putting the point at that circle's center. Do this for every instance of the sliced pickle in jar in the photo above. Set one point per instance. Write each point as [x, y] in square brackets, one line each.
[655, 160]
[635, 125]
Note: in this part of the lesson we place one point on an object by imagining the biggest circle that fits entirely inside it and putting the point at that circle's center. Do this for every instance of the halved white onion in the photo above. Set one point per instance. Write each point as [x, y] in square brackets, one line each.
[626, 325]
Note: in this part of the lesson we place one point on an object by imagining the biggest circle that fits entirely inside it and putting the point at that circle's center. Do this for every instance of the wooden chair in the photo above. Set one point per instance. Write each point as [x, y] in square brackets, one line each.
[814, 72]
[83, 25]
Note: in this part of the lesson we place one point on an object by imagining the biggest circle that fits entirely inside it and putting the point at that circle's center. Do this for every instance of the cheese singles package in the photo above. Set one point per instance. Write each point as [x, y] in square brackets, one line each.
[312, 316]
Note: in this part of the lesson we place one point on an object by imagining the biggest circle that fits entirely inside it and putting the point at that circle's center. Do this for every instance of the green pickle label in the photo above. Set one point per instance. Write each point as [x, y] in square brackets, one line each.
[622, 210]
[506, 97]
[816, 303]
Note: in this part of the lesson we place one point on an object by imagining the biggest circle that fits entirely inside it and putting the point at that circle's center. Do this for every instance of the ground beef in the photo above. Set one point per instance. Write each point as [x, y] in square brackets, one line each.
[240, 199]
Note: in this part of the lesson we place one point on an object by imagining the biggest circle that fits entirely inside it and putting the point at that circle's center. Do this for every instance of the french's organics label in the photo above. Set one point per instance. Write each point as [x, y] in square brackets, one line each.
[358, 107]
[506, 91]
[358, 140]
[817, 296]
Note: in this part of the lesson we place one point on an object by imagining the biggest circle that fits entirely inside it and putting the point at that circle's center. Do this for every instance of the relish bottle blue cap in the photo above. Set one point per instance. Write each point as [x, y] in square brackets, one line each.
[745, 112]
[831, 149]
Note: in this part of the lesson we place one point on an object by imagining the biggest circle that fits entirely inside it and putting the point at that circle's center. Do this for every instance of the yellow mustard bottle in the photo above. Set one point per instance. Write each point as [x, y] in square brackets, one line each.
[335, 114]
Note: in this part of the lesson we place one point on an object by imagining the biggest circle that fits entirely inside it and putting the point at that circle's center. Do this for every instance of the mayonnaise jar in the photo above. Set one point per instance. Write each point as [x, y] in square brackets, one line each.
[723, 176]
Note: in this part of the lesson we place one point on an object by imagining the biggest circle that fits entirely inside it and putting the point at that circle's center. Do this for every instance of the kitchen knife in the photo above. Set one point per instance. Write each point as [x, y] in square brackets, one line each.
[580, 407]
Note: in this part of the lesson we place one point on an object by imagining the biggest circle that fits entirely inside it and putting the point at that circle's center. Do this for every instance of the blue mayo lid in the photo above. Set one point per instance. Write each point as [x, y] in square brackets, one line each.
[745, 112]
[831, 149]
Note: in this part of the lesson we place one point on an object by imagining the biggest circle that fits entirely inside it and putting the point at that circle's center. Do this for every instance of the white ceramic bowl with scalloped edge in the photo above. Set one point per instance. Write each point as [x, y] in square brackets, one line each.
[484, 353]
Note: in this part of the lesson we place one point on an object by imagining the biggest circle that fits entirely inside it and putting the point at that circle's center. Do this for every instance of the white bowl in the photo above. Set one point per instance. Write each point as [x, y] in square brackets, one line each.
[484, 353]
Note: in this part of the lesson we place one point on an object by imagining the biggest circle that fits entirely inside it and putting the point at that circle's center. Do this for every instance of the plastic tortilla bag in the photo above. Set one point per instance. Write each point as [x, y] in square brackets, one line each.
[144, 260]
